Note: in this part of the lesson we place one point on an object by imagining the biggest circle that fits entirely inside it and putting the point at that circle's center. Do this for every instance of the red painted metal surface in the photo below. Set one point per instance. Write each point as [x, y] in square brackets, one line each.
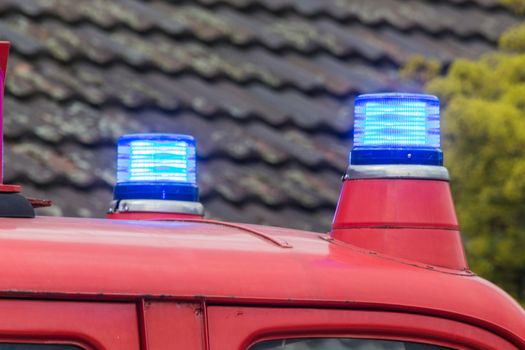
[171, 325]
[396, 203]
[238, 328]
[8, 188]
[152, 216]
[40, 203]
[91, 325]
[123, 260]
[436, 247]
[4, 54]
[406, 218]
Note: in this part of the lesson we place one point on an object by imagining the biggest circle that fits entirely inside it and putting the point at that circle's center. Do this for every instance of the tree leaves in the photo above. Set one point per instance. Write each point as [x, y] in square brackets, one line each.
[484, 147]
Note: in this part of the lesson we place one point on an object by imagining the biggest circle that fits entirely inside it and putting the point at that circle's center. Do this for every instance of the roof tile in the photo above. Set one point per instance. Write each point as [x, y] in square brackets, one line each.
[82, 123]
[65, 43]
[77, 122]
[401, 14]
[264, 85]
[75, 166]
[70, 202]
[120, 84]
[318, 220]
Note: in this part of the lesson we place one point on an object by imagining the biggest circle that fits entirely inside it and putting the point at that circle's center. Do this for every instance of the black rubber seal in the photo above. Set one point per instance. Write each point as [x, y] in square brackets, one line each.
[377, 156]
[168, 191]
[14, 205]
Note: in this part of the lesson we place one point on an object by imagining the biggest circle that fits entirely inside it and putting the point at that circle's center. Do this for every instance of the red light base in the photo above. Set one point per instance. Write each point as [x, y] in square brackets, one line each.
[10, 188]
[407, 218]
[151, 216]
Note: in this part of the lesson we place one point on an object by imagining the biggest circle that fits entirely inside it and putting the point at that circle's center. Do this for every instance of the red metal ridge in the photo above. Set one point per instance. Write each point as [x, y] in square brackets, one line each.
[9, 188]
[40, 203]
[154, 216]
[407, 218]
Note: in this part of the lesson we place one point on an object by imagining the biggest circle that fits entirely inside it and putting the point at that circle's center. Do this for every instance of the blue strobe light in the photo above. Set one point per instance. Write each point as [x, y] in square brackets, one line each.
[156, 166]
[395, 128]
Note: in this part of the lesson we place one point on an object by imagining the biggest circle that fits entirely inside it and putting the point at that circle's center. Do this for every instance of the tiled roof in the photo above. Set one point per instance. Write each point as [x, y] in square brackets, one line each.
[264, 85]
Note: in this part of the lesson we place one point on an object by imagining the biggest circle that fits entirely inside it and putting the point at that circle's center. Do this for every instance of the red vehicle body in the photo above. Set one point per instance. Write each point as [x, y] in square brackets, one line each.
[191, 285]
[391, 269]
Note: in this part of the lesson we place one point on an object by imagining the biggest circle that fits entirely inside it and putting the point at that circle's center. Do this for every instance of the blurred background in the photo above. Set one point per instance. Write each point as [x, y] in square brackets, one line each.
[267, 88]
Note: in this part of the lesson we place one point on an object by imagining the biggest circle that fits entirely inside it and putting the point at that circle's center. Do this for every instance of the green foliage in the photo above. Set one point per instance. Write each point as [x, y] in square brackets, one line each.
[517, 5]
[421, 69]
[513, 39]
[484, 143]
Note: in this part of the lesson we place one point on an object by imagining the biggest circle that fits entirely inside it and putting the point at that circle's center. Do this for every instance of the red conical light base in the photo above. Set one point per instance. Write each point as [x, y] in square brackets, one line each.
[412, 219]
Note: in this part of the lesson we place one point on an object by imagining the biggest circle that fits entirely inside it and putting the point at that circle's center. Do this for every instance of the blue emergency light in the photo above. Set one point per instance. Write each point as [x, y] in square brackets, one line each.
[396, 128]
[156, 166]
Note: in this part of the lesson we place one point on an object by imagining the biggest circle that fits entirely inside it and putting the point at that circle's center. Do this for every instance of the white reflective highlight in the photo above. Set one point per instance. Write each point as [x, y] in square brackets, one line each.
[157, 158]
[397, 120]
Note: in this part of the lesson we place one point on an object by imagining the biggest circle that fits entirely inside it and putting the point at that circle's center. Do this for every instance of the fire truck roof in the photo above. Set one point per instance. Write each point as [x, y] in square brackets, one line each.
[225, 263]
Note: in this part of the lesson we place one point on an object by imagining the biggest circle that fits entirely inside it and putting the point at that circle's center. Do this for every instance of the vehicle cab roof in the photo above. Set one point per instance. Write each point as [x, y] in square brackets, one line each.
[230, 263]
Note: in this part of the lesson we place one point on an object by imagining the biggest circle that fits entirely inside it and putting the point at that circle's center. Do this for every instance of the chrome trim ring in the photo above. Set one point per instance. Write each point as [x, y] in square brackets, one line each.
[153, 205]
[428, 172]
